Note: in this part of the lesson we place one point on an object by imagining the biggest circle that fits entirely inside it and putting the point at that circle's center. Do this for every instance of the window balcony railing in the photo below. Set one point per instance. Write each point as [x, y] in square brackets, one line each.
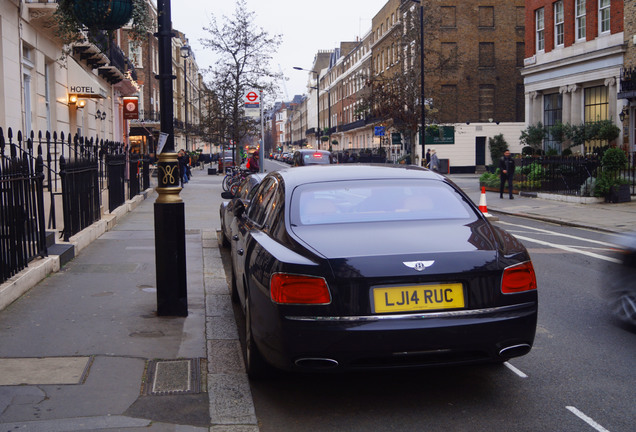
[628, 83]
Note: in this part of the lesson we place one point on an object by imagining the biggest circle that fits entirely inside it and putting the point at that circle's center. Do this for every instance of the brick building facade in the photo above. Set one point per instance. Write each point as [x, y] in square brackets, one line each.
[574, 56]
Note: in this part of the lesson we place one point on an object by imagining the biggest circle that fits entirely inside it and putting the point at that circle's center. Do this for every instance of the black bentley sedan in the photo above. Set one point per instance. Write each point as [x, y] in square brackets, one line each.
[353, 267]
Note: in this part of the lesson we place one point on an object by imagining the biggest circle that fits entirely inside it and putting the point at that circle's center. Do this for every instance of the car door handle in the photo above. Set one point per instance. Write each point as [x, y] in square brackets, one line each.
[240, 252]
[235, 237]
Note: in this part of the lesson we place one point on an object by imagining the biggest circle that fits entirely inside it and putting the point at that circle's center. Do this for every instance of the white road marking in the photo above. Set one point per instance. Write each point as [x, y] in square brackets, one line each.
[586, 419]
[570, 249]
[611, 245]
[515, 370]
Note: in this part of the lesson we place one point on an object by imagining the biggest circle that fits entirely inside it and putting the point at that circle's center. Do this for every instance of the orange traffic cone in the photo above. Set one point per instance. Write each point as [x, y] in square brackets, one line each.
[482, 201]
[482, 206]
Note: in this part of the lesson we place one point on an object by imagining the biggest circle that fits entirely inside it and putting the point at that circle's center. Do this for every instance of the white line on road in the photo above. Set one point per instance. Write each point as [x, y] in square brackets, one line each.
[570, 249]
[515, 370]
[586, 419]
[611, 245]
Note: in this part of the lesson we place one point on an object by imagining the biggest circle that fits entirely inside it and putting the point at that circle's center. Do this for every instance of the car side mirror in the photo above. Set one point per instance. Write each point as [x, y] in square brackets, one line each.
[227, 195]
[239, 208]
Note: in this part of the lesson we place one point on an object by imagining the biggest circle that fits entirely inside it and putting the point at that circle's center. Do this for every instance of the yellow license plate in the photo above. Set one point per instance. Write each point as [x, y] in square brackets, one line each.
[418, 298]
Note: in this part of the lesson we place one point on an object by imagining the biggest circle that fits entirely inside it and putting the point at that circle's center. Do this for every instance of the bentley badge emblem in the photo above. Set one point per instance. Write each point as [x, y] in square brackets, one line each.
[418, 265]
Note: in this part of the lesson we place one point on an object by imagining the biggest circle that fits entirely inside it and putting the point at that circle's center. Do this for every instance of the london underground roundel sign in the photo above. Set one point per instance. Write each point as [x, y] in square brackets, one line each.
[251, 99]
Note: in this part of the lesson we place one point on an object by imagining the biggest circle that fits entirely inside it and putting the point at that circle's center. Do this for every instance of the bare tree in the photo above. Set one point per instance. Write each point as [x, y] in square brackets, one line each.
[244, 53]
[394, 96]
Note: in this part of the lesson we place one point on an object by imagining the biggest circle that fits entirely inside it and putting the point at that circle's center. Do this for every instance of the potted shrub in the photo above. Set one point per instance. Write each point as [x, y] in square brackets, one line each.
[609, 183]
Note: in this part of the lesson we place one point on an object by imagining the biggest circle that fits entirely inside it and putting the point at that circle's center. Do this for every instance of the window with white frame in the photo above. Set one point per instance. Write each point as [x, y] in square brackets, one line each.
[580, 19]
[539, 27]
[558, 23]
[604, 16]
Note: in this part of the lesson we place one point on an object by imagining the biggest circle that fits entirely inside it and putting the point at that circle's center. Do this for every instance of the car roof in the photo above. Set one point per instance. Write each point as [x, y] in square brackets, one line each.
[312, 151]
[338, 172]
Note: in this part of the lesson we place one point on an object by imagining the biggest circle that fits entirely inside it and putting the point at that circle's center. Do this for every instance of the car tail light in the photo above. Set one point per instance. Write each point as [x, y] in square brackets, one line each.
[298, 289]
[519, 278]
[317, 155]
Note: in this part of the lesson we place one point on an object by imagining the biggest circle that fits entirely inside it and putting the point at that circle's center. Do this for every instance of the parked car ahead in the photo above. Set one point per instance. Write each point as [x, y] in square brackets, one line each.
[312, 157]
[224, 163]
[344, 267]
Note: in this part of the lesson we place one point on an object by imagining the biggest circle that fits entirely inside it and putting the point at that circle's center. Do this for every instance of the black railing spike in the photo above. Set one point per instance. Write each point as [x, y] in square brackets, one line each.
[10, 135]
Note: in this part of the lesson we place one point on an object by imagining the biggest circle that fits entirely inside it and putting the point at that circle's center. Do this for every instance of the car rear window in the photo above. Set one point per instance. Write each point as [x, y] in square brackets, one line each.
[377, 201]
[316, 158]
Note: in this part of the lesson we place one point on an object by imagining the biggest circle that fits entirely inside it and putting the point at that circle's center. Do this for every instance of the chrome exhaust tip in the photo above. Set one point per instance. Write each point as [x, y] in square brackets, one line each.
[316, 363]
[515, 350]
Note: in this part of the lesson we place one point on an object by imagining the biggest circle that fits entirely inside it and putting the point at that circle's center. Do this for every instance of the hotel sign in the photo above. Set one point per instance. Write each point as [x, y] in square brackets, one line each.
[83, 83]
[131, 108]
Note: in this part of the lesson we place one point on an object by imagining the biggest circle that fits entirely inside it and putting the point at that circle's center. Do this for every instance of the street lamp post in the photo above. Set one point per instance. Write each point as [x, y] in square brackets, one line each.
[317, 101]
[169, 209]
[422, 100]
[185, 53]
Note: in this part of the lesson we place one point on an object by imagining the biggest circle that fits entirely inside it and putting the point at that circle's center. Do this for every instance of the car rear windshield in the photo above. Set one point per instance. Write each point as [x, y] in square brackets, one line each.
[315, 158]
[377, 201]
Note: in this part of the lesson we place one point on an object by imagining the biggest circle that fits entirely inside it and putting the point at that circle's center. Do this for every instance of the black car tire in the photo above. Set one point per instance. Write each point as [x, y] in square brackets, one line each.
[255, 365]
[234, 295]
[224, 240]
[624, 308]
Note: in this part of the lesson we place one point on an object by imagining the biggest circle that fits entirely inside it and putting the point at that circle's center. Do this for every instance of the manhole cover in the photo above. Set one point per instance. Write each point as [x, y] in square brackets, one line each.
[168, 377]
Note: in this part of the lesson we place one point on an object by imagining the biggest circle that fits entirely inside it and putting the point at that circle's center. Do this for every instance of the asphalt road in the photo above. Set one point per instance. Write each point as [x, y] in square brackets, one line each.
[579, 375]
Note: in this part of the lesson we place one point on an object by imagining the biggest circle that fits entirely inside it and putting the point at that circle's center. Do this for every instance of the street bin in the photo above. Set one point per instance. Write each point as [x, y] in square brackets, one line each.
[211, 171]
[444, 166]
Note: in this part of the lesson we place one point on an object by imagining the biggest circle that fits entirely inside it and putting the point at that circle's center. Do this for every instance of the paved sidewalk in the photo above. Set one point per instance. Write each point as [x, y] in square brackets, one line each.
[84, 350]
[596, 214]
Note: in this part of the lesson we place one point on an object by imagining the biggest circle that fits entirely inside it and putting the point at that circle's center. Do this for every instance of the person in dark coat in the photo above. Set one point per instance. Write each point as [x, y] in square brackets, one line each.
[428, 158]
[183, 166]
[252, 163]
[506, 173]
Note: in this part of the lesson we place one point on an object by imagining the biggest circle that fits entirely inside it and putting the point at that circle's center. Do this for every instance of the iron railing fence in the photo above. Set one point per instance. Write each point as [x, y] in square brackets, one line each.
[569, 175]
[79, 175]
[134, 168]
[69, 173]
[22, 221]
[555, 174]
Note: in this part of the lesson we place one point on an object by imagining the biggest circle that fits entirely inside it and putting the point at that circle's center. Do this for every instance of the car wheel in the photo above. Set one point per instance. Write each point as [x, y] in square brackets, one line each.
[234, 289]
[224, 240]
[255, 365]
[624, 308]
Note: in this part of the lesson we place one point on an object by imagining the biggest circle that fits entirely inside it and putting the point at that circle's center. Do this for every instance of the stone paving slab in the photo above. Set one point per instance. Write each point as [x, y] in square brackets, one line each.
[43, 371]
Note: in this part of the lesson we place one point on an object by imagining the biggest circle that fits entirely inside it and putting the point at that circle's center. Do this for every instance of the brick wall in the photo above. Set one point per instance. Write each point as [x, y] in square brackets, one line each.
[616, 21]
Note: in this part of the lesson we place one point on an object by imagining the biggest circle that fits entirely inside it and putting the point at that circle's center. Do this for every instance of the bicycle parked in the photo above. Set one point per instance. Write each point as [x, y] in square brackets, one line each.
[233, 178]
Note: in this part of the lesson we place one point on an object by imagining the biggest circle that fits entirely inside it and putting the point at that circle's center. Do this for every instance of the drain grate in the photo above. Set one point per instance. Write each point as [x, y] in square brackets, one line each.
[171, 377]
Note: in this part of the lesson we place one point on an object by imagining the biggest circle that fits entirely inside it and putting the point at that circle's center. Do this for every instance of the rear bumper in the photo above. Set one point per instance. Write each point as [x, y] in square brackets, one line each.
[399, 341]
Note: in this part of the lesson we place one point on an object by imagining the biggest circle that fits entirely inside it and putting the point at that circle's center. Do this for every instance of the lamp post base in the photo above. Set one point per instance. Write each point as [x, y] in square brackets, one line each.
[170, 259]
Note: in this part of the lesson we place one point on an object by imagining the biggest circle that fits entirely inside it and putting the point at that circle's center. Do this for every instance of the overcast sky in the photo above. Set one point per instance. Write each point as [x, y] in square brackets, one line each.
[306, 27]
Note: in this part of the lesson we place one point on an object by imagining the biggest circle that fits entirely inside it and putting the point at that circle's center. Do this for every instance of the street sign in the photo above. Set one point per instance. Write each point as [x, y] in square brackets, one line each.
[440, 135]
[251, 99]
[379, 131]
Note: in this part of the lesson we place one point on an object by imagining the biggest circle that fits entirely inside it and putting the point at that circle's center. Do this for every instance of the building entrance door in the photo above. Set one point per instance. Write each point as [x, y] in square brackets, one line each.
[480, 151]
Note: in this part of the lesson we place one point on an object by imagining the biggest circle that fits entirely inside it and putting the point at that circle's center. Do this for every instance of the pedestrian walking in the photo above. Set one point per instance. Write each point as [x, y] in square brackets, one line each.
[428, 158]
[252, 163]
[182, 160]
[506, 173]
[433, 164]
